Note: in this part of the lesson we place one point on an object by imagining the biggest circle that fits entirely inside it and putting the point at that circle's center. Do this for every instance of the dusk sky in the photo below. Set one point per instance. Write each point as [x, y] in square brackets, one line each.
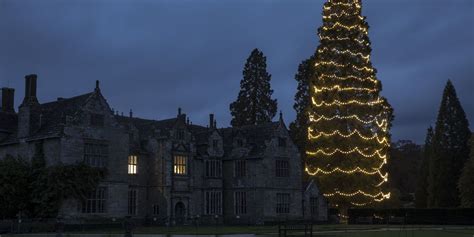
[156, 56]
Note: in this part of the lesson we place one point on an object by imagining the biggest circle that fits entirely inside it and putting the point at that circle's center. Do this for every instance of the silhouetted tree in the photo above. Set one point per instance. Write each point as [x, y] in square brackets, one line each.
[254, 104]
[450, 151]
[299, 127]
[466, 182]
[403, 166]
[14, 186]
[421, 194]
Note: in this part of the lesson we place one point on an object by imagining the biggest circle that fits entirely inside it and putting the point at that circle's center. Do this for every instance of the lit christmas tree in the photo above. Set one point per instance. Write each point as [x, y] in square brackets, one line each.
[349, 122]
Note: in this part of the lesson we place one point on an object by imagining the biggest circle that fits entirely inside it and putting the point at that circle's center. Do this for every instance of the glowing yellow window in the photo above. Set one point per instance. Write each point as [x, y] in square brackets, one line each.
[180, 165]
[132, 164]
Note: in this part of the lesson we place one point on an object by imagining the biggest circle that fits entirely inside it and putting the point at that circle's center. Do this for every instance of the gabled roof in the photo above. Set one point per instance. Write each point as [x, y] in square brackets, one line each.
[148, 127]
[52, 116]
[255, 136]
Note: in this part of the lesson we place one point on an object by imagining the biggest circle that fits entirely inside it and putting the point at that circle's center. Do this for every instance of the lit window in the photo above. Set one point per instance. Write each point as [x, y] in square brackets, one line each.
[132, 164]
[180, 163]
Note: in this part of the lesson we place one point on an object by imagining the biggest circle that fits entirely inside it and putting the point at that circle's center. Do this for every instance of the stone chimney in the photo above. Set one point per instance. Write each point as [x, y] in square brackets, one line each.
[211, 121]
[28, 114]
[30, 90]
[8, 100]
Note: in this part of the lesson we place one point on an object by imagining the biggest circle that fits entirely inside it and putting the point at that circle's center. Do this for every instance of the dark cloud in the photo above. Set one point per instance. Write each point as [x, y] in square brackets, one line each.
[154, 56]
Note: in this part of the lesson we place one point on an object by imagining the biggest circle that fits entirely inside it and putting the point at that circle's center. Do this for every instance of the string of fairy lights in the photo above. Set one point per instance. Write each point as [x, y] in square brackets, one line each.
[378, 123]
[347, 51]
[383, 140]
[339, 103]
[382, 124]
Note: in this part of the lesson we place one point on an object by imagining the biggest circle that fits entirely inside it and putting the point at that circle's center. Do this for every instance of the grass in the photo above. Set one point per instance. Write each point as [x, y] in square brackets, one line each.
[341, 230]
[319, 230]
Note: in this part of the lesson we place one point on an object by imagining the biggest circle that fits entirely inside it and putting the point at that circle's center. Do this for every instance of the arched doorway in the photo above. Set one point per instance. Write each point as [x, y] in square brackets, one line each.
[180, 213]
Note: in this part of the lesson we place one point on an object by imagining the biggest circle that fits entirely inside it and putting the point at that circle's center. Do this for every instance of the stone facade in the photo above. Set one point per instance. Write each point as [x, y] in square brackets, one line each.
[169, 170]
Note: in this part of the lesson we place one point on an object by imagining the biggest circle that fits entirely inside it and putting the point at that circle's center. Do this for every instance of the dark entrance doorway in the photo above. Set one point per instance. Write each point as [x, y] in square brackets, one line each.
[180, 213]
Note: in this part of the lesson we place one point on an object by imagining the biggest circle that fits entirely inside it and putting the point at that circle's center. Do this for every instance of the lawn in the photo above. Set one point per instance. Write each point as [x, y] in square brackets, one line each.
[319, 230]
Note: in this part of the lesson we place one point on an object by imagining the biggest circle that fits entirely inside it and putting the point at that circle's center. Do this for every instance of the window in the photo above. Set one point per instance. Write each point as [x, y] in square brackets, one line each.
[95, 201]
[95, 153]
[282, 142]
[132, 164]
[313, 203]
[213, 203]
[283, 203]
[97, 120]
[132, 201]
[156, 209]
[213, 168]
[240, 142]
[282, 168]
[180, 164]
[180, 134]
[240, 203]
[239, 168]
[215, 144]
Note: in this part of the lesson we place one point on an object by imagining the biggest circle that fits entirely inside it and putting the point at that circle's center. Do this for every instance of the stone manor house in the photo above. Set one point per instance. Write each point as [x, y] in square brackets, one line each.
[169, 170]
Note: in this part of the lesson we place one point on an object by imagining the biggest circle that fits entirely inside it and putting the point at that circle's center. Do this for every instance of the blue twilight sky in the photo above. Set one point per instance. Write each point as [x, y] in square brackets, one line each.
[155, 55]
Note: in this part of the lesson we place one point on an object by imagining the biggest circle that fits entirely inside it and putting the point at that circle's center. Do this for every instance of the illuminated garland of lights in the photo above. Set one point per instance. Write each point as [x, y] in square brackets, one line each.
[340, 88]
[383, 124]
[342, 38]
[351, 11]
[345, 65]
[338, 102]
[343, 4]
[380, 194]
[353, 150]
[347, 51]
[343, 13]
[337, 132]
[356, 170]
[337, 24]
[349, 78]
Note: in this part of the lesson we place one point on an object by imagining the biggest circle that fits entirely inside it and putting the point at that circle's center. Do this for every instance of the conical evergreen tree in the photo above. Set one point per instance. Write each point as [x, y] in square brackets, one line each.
[254, 104]
[465, 185]
[299, 127]
[421, 194]
[348, 135]
[450, 151]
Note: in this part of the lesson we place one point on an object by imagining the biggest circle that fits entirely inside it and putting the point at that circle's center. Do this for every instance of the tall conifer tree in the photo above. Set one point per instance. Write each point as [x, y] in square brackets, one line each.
[421, 194]
[465, 185]
[299, 127]
[450, 151]
[254, 104]
[349, 122]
